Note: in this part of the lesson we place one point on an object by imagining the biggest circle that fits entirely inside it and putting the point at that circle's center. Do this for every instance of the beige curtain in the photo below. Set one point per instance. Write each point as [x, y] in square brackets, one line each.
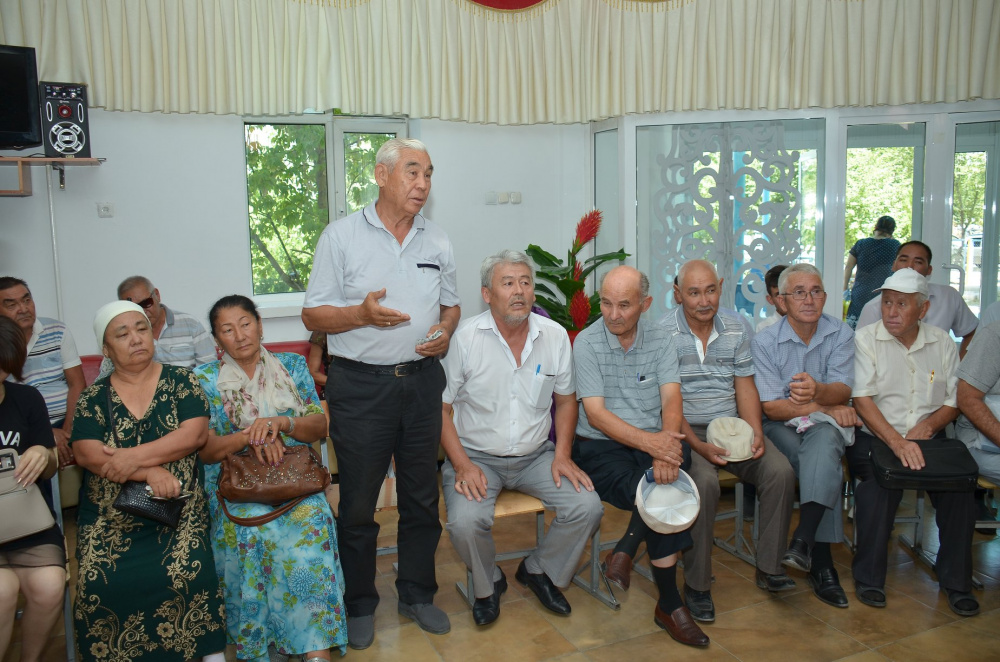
[560, 61]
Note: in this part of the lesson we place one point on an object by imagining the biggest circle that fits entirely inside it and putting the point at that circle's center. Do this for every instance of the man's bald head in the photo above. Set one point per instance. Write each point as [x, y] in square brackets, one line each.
[624, 276]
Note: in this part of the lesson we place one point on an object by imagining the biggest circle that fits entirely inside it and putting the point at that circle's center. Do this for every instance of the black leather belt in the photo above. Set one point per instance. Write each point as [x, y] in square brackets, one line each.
[397, 370]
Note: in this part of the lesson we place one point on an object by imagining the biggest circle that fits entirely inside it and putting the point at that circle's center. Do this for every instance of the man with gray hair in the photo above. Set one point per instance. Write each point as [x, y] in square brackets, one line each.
[504, 369]
[905, 392]
[178, 338]
[804, 373]
[713, 352]
[383, 289]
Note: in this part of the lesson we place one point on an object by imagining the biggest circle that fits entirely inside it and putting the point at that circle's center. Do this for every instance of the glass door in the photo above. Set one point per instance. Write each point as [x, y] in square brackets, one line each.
[974, 232]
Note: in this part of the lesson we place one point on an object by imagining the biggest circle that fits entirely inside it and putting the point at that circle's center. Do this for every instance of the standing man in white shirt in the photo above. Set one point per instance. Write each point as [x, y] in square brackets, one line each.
[383, 289]
[948, 310]
[505, 368]
[905, 392]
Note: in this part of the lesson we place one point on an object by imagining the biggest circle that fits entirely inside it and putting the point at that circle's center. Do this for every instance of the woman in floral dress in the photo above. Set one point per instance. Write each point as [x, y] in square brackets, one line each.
[144, 591]
[282, 580]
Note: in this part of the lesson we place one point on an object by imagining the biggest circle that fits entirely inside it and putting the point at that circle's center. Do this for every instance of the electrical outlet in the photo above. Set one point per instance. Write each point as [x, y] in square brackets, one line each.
[105, 210]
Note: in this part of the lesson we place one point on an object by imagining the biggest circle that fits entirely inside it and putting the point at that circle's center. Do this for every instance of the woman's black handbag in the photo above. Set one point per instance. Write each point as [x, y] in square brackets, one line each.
[948, 467]
[137, 499]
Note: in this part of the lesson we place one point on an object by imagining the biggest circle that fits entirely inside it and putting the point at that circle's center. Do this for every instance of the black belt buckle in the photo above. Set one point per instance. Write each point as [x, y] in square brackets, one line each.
[401, 366]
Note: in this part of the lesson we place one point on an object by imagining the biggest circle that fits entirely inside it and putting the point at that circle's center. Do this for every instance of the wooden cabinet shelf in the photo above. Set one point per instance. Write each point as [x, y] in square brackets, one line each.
[24, 173]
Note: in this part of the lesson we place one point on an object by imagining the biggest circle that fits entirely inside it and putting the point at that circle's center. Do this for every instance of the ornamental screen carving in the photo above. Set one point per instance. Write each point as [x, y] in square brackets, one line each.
[735, 194]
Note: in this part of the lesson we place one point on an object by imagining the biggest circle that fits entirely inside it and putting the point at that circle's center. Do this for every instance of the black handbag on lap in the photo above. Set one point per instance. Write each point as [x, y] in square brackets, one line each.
[948, 467]
[137, 498]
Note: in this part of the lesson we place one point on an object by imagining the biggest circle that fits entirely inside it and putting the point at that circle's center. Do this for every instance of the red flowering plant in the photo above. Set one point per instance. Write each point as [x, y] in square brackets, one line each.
[565, 301]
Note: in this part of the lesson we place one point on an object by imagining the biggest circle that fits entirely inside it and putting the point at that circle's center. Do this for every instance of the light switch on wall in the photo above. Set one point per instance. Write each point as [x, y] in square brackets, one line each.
[503, 198]
[515, 197]
[491, 197]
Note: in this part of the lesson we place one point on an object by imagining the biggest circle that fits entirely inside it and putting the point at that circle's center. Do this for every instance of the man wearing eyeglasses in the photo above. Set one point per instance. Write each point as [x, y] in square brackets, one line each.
[179, 339]
[53, 364]
[804, 373]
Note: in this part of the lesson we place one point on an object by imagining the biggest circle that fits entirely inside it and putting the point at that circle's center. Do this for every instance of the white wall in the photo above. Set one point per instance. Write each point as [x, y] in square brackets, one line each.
[178, 186]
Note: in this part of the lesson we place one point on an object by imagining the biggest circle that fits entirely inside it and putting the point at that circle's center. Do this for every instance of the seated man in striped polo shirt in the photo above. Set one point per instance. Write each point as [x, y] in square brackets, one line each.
[713, 350]
[53, 365]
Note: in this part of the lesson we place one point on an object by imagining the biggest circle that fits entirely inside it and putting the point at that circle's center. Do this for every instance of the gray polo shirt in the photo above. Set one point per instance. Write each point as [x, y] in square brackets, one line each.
[709, 386]
[628, 381]
[357, 255]
[980, 369]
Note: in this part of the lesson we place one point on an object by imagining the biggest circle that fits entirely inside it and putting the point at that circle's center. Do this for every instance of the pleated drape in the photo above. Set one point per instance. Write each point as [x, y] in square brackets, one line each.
[559, 61]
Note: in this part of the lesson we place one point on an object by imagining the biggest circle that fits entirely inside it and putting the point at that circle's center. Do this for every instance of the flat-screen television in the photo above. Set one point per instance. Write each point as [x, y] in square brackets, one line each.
[20, 118]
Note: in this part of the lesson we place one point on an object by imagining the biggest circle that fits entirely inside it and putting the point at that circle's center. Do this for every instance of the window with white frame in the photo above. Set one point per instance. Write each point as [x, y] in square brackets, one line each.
[293, 165]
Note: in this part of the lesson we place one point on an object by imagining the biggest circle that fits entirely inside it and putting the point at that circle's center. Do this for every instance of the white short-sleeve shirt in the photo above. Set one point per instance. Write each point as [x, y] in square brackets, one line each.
[357, 255]
[908, 385]
[500, 408]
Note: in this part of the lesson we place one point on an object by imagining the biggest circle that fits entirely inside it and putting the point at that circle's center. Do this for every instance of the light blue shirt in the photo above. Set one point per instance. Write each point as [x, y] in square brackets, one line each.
[779, 353]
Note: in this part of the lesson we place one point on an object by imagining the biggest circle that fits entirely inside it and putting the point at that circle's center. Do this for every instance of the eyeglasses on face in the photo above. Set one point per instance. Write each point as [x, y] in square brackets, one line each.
[800, 295]
[146, 303]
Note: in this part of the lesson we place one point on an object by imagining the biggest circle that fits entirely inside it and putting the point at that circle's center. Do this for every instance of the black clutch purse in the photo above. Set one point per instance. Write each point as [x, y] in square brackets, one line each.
[135, 499]
[949, 467]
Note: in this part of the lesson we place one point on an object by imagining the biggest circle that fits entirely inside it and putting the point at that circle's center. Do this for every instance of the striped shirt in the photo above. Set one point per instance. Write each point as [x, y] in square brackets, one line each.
[51, 351]
[709, 385]
[628, 381]
[779, 353]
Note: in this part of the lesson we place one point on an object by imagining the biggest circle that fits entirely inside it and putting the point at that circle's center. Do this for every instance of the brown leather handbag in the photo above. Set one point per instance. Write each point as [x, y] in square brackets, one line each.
[242, 479]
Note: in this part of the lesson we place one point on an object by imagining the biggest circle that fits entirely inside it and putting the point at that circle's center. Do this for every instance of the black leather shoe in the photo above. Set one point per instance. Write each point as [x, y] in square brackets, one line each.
[486, 610]
[798, 556]
[547, 592]
[826, 585]
[774, 583]
[700, 604]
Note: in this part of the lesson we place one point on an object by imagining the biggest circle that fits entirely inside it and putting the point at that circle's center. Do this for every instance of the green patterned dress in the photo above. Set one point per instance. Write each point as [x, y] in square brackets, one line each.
[144, 591]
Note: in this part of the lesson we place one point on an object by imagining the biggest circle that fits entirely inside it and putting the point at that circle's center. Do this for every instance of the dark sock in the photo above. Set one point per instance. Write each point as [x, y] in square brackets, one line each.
[821, 557]
[809, 516]
[634, 534]
[666, 583]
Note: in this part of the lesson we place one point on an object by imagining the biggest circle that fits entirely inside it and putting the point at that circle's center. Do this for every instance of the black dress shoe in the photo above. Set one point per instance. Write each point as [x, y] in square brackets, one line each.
[700, 604]
[774, 583]
[547, 592]
[486, 610]
[798, 556]
[826, 585]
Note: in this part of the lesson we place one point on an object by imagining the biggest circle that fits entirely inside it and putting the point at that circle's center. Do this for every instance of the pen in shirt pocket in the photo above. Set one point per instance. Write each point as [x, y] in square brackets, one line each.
[429, 265]
[640, 378]
[932, 376]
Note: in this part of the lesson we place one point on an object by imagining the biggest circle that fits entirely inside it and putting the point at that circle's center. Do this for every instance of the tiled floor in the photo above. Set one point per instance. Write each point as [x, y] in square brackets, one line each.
[751, 624]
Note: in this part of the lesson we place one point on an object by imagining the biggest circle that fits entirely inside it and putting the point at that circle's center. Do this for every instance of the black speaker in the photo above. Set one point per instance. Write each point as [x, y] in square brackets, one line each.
[65, 125]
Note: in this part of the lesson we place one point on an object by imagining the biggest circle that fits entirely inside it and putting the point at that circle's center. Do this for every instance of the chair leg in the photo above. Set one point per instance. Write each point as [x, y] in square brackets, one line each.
[590, 578]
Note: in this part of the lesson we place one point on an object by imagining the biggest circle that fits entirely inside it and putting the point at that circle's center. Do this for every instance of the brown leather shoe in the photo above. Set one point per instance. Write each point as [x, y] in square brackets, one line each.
[617, 569]
[681, 626]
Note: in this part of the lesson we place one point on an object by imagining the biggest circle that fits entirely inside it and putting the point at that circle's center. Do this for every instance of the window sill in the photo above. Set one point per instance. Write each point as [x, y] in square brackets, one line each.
[273, 306]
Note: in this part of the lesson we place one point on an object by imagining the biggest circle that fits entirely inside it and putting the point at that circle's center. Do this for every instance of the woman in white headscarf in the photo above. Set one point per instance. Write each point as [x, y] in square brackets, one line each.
[145, 591]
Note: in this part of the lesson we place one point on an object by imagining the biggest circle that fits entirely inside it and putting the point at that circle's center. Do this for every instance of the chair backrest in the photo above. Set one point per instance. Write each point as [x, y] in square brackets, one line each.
[294, 346]
[91, 367]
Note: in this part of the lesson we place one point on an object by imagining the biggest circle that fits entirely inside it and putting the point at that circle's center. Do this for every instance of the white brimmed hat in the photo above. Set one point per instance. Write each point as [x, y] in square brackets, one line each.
[667, 508]
[733, 434]
[906, 281]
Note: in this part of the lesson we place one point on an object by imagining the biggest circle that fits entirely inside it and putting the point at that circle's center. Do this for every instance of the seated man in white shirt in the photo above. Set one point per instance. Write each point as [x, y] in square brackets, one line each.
[904, 392]
[504, 368]
[948, 310]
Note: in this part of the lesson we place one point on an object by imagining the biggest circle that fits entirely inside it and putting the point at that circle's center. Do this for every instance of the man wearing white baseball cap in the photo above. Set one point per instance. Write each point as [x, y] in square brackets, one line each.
[905, 386]
[630, 417]
[713, 351]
